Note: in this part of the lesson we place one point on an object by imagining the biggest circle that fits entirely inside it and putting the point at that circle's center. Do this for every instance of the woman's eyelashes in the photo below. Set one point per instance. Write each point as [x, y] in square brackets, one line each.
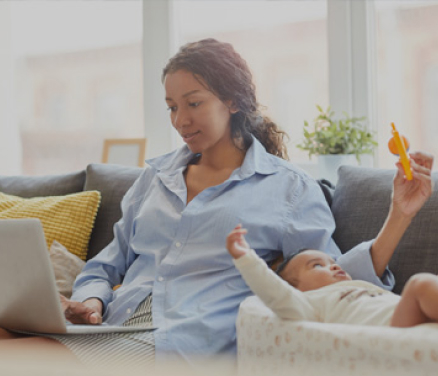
[190, 104]
[194, 104]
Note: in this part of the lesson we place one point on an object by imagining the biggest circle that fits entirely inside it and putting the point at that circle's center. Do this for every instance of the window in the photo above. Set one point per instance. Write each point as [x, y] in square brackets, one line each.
[285, 45]
[78, 70]
[407, 77]
[78, 80]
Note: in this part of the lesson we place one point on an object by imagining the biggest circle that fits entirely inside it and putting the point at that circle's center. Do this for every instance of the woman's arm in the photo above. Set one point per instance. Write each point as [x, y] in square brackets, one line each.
[309, 223]
[408, 198]
[108, 268]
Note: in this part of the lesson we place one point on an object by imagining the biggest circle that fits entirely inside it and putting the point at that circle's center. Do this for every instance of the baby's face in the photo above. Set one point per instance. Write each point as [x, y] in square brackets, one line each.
[313, 269]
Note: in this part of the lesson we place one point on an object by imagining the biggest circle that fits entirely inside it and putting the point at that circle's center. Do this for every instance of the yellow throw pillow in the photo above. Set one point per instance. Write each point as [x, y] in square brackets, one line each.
[68, 219]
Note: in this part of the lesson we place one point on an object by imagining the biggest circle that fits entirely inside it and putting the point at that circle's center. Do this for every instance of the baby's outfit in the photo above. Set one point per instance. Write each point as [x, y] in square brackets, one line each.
[346, 302]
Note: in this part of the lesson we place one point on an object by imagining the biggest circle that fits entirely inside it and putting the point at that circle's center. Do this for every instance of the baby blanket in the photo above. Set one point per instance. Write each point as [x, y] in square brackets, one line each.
[268, 345]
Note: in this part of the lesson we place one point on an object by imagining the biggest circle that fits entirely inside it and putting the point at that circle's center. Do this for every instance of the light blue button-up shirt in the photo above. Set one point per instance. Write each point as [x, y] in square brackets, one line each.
[177, 251]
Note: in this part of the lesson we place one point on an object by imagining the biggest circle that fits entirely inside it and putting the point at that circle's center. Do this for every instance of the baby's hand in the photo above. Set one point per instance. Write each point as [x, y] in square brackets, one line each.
[236, 243]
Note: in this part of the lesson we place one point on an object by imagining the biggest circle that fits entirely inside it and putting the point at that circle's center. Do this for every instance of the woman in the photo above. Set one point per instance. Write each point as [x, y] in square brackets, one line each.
[169, 251]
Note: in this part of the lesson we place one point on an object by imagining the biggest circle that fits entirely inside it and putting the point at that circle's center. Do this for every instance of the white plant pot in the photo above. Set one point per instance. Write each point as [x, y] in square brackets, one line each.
[328, 165]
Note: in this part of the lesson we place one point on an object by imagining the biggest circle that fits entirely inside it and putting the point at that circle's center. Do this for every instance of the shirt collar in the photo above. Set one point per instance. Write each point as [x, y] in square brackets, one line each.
[257, 160]
[172, 161]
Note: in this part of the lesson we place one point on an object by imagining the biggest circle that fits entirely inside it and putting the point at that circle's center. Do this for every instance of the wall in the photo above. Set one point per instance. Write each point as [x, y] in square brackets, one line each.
[10, 145]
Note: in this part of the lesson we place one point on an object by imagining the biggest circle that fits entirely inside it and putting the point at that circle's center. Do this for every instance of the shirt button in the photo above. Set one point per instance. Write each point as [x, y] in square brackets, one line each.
[128, 310]
[160, 279]
[178, 244]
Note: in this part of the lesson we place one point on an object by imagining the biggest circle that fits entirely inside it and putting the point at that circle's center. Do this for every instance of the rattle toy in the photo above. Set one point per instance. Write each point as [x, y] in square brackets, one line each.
[398, 145]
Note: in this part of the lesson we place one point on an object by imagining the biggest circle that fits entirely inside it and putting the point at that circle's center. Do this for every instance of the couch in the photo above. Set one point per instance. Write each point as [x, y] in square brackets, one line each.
[359, 203]
[112, 181]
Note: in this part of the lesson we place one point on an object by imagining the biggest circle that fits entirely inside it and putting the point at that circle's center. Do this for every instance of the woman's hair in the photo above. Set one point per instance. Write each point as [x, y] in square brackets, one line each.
[227, 75]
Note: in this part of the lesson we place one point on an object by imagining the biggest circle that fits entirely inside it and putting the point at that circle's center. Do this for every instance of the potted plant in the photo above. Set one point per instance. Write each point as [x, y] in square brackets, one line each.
[336, 142]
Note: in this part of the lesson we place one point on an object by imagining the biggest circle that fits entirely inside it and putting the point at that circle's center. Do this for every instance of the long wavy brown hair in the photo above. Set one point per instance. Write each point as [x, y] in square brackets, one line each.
[227, 75]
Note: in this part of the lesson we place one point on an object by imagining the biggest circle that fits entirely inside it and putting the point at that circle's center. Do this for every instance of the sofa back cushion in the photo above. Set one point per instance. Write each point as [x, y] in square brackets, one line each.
[112, 181]
[360, 205]
[41, 186]
[68, 219]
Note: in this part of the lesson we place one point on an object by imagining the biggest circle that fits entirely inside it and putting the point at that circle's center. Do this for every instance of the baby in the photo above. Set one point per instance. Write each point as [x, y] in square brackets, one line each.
[313, 287]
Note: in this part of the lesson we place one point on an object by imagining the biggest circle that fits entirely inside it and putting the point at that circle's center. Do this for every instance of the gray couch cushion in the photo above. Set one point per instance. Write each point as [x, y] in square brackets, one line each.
[360, 204]
[41, 186]
[112, 181]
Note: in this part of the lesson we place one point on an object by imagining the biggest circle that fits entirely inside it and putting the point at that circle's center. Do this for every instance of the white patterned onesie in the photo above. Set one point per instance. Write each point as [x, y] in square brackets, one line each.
[346, 302]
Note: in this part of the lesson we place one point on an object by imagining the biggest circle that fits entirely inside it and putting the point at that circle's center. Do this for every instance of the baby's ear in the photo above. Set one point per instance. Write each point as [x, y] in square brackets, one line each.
[295, 282]
[291, 279]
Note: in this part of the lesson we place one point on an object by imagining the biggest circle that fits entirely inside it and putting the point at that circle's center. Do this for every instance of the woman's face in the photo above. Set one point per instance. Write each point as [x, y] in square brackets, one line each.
[199, 116]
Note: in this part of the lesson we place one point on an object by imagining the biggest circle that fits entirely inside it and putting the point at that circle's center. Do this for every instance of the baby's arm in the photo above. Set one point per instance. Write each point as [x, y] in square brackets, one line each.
[236, 243]
[286, 301]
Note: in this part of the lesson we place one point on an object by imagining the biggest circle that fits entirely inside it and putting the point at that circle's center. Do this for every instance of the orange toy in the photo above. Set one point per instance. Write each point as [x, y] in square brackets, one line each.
[398, 145]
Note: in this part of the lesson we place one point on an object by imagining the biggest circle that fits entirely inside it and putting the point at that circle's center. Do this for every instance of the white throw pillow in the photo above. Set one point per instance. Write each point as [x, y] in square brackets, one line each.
[66, 266]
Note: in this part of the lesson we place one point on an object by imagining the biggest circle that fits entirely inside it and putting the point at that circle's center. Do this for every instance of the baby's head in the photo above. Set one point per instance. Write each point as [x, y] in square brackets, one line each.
[310, 269]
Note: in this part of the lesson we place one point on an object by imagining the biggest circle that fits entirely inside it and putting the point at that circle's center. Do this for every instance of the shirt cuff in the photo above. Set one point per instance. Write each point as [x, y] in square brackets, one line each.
[98, 290]
[358, 263]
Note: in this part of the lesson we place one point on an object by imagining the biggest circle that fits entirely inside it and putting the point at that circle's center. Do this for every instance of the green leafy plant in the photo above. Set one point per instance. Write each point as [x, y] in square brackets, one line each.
[329, 136]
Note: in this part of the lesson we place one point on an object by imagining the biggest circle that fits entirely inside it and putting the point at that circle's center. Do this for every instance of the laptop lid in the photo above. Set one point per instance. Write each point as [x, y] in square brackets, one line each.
[29, 299]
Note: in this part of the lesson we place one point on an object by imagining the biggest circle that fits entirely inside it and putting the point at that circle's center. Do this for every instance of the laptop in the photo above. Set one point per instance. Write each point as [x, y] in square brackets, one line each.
[29, 299]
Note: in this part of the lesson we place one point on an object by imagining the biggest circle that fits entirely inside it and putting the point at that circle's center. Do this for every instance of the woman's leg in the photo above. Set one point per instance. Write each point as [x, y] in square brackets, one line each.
[4, 334]
[419, 302]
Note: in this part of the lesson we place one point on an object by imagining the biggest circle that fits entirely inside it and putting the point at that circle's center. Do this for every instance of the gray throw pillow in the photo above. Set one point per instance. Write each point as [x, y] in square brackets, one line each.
[112, 181]
[42, 186]
[360, 205]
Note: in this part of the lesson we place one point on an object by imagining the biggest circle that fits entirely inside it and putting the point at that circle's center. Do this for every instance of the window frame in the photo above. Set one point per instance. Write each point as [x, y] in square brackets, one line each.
[352, 61]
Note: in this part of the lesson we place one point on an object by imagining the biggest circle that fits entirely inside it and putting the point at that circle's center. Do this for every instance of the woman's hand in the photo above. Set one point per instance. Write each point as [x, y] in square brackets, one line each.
[88, 312]
[236, 243]
[409, 196]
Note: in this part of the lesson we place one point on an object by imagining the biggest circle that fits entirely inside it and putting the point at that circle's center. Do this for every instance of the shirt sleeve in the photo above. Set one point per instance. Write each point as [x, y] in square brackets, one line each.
[108, 267]
[310, 224]
[359, 264]
[285, 300]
